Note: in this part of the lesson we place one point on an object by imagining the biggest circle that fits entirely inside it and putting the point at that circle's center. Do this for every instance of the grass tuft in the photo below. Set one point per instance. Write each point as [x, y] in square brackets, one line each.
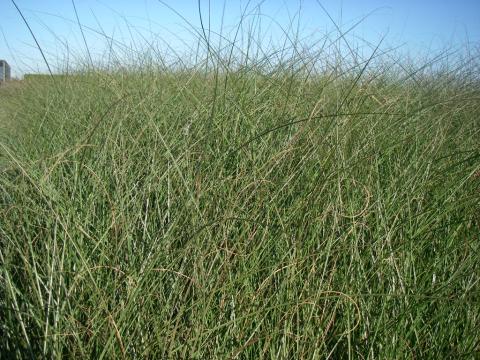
[293, 203]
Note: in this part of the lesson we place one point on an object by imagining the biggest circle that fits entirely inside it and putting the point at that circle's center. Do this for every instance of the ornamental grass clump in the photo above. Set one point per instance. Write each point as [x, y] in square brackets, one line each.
[298, 202]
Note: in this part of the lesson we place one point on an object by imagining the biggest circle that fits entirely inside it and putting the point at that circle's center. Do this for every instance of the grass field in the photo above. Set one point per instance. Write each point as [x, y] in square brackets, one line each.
[243, 207]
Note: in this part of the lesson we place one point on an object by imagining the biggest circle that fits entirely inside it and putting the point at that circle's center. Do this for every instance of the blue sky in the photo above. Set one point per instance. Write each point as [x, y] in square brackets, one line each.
[420, 26]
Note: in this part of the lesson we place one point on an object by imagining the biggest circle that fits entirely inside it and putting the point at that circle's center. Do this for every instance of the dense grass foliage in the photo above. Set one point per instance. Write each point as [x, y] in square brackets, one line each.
[236, 212]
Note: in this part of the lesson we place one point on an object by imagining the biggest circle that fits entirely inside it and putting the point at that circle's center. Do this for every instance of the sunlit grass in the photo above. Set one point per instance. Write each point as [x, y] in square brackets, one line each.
[259, 208]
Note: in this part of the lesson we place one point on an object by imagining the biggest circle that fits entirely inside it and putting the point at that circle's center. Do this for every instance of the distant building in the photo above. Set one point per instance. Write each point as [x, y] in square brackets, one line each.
[4, 71]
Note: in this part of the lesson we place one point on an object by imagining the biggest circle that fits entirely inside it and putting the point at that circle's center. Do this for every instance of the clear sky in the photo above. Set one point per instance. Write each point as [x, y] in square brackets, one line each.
[418, 25]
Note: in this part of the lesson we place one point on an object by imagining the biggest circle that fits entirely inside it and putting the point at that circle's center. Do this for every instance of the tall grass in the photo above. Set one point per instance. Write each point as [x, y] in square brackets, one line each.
[297, 202]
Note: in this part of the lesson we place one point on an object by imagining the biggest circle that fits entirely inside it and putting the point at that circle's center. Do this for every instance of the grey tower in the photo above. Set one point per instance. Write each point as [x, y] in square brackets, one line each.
[4, 71]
